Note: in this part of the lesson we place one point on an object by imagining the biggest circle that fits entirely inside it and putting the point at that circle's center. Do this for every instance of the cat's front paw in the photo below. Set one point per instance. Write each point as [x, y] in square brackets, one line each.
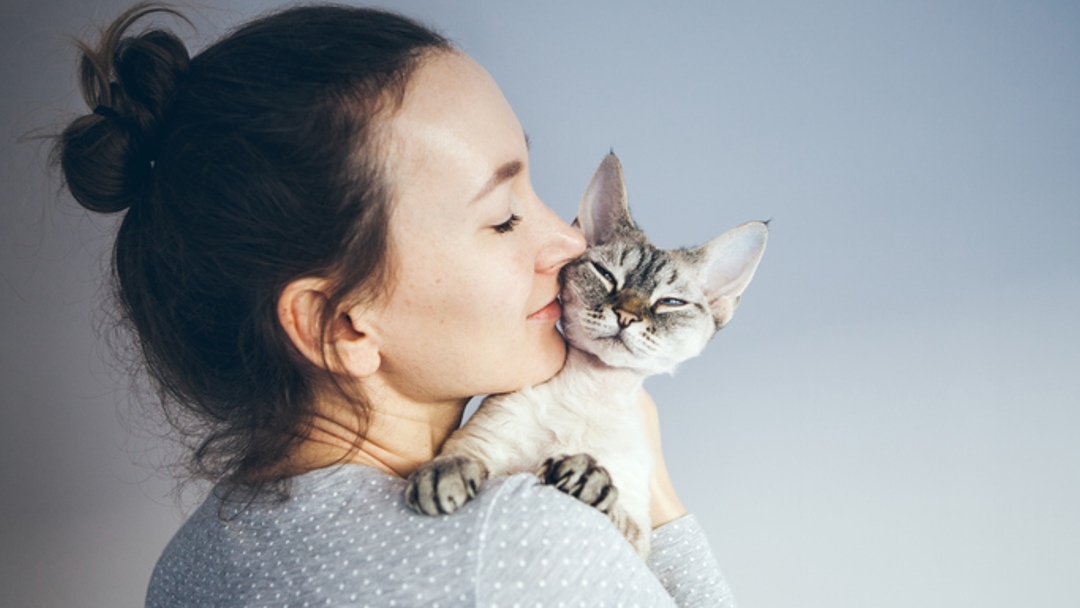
[444, 485]
[581, 477]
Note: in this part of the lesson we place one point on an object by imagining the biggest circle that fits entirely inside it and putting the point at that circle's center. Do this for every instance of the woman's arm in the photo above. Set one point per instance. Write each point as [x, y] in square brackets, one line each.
[665, 505]
[680, 558]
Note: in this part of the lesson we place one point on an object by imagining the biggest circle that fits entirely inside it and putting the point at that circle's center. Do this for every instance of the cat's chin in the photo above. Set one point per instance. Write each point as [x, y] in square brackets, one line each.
[629, 361]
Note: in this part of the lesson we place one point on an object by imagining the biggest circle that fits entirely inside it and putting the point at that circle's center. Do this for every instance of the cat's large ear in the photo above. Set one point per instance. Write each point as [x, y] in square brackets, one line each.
[604, 211]
[730, 262]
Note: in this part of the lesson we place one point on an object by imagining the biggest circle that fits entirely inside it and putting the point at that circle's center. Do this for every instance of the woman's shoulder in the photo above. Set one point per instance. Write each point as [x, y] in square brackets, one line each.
[521, 504]
[347, 530]
[354, 495]
[540, 544]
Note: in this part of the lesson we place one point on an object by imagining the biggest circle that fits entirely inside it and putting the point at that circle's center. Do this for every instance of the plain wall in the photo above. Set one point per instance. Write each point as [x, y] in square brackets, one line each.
[891, 419]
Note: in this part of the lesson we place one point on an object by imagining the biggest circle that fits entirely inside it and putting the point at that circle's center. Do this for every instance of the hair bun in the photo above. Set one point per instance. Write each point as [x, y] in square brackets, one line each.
[130, 81]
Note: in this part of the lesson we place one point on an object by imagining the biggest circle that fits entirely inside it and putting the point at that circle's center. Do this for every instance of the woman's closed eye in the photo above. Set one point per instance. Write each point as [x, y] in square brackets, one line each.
[508, 225]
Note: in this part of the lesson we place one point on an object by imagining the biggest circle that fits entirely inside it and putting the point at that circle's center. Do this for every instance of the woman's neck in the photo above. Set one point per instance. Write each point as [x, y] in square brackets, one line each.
[396, 438]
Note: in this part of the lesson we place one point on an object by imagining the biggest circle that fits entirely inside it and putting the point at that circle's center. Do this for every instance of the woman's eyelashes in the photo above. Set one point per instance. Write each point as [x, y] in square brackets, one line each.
[508, 225]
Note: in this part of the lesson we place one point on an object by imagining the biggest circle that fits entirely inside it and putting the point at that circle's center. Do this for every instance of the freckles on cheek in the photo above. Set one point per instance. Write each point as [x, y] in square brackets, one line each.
[447, 303]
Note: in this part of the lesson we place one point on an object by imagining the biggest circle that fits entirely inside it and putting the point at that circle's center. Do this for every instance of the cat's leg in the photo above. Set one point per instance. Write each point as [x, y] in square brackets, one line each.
[497, 440]
[445, 484]
[580, 476]
[635, 532]
[473, 453]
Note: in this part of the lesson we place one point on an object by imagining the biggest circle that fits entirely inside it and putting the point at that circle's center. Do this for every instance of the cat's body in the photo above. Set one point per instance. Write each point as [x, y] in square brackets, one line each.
[630, 310]
[586, 408]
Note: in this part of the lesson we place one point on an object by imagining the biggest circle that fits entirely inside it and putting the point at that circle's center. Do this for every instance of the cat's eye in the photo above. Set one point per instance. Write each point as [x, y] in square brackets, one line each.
[605, 274]
[508, 225]
[671, 302]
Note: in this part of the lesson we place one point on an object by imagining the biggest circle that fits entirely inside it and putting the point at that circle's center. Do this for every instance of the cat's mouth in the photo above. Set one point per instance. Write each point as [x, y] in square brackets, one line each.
[618, 338]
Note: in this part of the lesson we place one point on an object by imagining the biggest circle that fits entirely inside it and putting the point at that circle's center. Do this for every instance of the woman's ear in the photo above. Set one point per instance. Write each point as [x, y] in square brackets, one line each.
[349, 348]
[355, 343]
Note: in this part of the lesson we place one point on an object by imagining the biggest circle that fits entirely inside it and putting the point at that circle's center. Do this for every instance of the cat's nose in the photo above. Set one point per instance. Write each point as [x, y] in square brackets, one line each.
[626, 318]
[630, 309]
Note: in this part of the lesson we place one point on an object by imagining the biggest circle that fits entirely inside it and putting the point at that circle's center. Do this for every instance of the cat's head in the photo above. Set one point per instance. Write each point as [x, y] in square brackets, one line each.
[634, 305]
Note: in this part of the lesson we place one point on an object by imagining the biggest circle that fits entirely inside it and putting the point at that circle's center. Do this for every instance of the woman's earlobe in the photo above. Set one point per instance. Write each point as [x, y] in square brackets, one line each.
[354, 343]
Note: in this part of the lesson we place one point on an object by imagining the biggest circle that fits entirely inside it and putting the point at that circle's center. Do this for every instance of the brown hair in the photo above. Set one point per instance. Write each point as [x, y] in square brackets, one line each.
[241, 169]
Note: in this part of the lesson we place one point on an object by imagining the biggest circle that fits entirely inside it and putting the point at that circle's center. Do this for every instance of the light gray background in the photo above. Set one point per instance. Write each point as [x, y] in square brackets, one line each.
[891, 418]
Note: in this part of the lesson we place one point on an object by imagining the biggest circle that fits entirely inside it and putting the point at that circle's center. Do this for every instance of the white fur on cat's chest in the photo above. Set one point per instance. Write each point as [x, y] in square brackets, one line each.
[573, 411]
[581, 410]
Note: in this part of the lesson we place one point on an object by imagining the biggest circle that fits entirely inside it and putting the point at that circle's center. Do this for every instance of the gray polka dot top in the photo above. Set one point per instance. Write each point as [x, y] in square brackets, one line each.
[346, 538]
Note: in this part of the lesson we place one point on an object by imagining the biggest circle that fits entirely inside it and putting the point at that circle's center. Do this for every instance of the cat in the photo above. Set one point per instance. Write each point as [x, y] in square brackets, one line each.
[630, 310]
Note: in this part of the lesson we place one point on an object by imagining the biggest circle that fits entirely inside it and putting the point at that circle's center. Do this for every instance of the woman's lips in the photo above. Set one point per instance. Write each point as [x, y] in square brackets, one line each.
[551, 312]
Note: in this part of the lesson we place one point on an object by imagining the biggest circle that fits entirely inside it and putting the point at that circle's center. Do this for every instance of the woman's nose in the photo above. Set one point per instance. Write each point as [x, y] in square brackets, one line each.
[561, 244]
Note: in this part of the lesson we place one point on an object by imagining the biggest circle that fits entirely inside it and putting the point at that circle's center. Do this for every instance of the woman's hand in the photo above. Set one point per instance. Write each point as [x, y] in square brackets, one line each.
[665, 505]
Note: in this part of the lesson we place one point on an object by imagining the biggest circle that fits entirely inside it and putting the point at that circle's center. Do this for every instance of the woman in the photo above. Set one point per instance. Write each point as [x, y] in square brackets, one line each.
[330, 243]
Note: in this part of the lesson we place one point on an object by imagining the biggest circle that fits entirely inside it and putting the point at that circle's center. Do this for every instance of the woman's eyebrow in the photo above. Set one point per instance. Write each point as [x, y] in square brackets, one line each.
[504, 173]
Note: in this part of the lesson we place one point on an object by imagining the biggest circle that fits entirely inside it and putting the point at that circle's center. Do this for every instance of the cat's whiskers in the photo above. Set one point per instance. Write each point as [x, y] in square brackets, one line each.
[650, 343]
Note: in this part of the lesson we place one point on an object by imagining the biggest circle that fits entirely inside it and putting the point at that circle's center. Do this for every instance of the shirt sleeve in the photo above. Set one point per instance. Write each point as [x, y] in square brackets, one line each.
[539, 547]
[684, 563]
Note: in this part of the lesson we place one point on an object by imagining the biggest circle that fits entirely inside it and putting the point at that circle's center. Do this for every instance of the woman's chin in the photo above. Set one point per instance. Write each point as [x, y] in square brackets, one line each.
[551, 357]
[543, 360]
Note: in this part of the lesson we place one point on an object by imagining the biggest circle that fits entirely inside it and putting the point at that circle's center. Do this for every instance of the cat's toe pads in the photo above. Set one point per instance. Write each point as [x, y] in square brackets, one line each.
[580, 476]
[444, 485]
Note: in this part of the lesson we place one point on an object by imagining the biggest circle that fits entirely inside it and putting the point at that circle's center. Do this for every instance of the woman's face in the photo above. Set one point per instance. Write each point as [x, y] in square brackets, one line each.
[475, 253]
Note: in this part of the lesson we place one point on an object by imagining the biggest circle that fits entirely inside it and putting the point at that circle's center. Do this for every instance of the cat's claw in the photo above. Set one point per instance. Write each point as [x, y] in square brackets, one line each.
[580, 476]
[444, 485]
